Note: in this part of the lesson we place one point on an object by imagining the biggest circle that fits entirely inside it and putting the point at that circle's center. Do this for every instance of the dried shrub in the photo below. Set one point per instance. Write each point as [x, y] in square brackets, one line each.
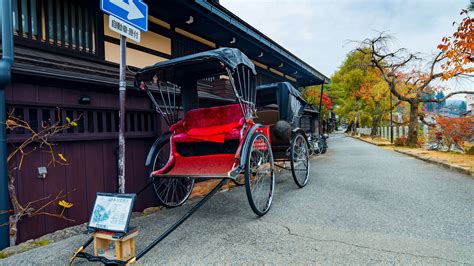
[401, 141]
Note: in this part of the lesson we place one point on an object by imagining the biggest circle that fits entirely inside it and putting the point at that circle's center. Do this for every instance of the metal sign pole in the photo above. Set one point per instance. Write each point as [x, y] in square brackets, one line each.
[122, 88]
[391, 119]
[321, 108]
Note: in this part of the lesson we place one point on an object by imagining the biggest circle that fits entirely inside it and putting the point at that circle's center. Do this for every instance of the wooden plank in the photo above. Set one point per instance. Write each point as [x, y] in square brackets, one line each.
[130, 174]
[61, 22]
[24, 92]
[88, 34]
[83, 28]
[46, 16]
[109, 159]
[39, 20]
[54, 183]
[20, 18]
[99, 35]
[69, 25]
[30, 188]
[76, 182]
[94, 38]
[82, 19]
[94, 171]
[138, 150]
[75, 11]
[55, 28]
[29, 19]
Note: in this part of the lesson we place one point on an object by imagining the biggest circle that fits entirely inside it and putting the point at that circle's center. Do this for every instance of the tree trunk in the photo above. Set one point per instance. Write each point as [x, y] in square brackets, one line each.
[13, 226]
[375, 124]
[16, 216]
[354, 128]
[413, 125]
[349, 127]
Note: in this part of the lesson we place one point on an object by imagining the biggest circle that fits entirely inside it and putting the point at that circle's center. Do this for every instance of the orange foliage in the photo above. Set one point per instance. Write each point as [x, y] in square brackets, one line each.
[455, 130]
[458, 49]
[313, 96]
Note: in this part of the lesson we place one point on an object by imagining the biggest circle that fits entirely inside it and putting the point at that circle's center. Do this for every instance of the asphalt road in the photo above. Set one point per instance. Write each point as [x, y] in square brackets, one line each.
[362, 205]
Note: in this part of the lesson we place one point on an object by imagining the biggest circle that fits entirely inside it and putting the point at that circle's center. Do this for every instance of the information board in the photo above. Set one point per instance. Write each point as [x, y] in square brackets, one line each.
[112, 212]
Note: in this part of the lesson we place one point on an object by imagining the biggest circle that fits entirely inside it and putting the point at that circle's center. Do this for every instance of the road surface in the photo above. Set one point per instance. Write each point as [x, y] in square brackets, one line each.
[362, 205]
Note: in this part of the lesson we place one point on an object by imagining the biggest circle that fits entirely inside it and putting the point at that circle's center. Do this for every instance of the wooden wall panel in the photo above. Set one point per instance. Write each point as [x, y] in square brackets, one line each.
[109, 159]
[30, 188]
[77, 182]
[54, 183]
[134, 57]
[92, 164]
[27, 91]
[94, 171]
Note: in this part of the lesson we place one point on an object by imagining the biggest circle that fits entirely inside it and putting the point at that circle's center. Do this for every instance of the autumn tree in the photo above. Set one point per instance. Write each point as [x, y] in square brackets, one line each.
[312, 95]
[359, 92]
[409, 83]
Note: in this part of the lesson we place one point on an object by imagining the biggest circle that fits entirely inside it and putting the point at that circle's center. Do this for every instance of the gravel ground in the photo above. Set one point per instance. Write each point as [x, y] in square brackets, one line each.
[362, 205]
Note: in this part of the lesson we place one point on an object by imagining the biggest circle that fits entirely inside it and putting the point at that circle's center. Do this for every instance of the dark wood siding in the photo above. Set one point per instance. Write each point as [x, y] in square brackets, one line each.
[92, 161]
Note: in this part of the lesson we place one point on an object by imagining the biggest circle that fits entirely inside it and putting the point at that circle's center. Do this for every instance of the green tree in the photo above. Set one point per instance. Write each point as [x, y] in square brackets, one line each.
[359, 93]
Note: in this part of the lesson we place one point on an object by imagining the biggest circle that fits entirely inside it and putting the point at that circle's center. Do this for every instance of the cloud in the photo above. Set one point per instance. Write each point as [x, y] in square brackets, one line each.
[319, 32]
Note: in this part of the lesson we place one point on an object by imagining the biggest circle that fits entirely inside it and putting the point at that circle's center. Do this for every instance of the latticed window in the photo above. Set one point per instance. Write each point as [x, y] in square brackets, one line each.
[67, 24]
[98, 123]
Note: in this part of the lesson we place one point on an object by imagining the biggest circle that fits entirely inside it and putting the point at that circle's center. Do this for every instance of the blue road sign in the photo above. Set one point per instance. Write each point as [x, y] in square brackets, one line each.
[133, 12]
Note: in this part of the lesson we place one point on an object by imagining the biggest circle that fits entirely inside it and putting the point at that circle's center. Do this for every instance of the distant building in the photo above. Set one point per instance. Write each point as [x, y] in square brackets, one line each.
[450, 111]
[470, 104]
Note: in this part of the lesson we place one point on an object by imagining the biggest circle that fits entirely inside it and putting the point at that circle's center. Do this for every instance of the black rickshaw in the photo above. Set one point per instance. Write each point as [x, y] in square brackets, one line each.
[280, 107]
[310, 123]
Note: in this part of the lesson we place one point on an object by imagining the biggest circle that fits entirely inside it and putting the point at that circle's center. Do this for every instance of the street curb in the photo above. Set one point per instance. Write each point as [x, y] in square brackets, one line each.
[376, 144]
[444, 164]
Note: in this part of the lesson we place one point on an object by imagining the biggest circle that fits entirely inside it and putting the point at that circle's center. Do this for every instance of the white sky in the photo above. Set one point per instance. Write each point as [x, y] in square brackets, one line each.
[319, 31]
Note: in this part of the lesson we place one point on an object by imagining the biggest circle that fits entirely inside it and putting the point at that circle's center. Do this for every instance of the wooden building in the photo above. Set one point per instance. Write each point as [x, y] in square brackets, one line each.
[66, 65]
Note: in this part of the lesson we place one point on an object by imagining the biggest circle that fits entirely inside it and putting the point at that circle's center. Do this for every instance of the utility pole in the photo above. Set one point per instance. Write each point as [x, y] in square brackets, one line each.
[391, 119]
[5, 78]
[122, 91]
[320, 107]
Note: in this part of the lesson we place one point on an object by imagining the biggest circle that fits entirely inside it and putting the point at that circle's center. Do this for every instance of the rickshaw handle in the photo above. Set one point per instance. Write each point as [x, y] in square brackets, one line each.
[182, 219]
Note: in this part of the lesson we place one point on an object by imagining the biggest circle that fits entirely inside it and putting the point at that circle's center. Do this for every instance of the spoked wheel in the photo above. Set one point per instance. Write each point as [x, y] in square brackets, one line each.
[170, 192]
[299, 159]
[259, 174]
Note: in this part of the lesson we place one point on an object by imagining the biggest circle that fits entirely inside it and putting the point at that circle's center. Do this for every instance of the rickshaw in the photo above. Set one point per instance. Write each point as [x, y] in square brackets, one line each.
[310, 124]
[218, 142]
[280, 107]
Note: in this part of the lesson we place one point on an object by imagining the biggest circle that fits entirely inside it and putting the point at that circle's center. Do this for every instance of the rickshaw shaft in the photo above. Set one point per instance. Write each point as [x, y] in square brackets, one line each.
[182, 219]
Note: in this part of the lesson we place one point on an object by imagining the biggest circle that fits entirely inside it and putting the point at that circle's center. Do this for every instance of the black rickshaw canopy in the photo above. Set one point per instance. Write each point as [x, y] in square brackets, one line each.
[289, 100]
[175, 81]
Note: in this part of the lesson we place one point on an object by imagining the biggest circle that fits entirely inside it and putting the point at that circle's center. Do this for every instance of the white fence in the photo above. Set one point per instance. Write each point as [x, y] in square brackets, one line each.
[384, 132]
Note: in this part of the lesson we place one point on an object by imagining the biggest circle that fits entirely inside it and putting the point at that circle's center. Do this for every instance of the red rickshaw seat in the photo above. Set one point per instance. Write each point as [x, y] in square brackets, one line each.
[214, 124]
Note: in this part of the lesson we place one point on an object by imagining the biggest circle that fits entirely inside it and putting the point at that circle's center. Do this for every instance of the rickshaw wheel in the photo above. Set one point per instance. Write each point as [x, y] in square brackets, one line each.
[299, 159]
[170, 192]
[260, 174]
